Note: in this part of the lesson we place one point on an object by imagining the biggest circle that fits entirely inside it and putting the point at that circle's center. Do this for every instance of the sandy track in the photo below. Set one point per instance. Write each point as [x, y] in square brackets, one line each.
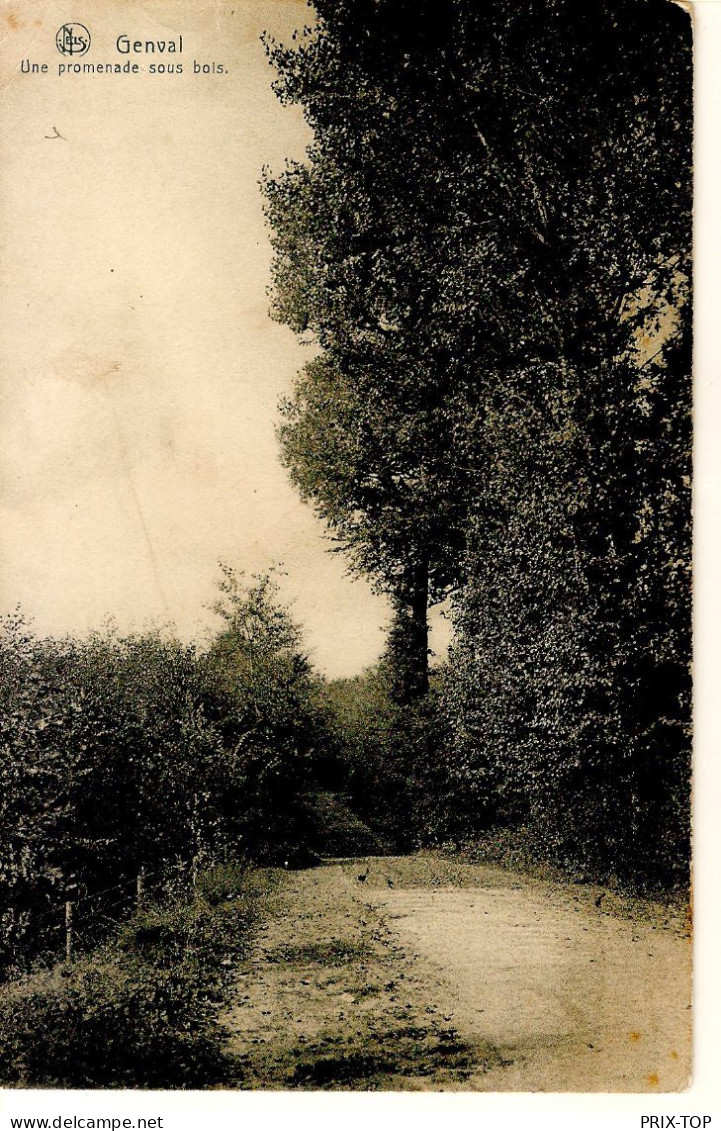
[575, 998]
[432, 973]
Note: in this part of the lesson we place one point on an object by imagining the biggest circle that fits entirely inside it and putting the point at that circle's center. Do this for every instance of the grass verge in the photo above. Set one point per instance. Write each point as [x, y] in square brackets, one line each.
[142, 1011]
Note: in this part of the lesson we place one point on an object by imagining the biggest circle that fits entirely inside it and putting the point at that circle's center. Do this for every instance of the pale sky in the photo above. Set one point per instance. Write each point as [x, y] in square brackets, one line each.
[140, 370]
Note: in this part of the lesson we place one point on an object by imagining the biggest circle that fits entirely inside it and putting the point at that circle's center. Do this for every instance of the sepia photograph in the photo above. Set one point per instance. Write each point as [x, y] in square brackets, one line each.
[345, 545]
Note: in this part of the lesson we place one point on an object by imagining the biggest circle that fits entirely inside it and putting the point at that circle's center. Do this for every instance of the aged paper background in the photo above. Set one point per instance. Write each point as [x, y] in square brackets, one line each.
[140, 371]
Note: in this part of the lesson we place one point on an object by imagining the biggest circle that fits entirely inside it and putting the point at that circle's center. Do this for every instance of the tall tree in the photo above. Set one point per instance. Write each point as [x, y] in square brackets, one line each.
[359, 233]
[490, 188]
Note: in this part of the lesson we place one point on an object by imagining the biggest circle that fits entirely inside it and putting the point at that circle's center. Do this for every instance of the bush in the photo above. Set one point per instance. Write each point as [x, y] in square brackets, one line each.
[110, 1026]
[207, 756]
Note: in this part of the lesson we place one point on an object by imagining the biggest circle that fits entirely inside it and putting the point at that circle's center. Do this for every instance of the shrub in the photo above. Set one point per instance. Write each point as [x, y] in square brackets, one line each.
[207, 756]
[112, 1026]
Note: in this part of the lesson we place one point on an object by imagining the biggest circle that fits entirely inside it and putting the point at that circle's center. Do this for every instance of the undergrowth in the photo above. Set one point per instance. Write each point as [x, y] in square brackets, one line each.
[142, 1011]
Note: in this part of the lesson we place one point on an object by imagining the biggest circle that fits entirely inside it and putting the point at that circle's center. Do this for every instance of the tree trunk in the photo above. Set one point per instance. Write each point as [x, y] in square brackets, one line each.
[408, 638]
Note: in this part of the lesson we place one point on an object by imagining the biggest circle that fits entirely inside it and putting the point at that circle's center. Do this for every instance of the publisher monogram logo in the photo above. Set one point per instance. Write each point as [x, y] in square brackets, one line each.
[73, 39]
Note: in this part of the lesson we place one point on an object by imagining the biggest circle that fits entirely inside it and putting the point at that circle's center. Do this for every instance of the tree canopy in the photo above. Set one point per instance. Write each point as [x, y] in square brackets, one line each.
[490, 187]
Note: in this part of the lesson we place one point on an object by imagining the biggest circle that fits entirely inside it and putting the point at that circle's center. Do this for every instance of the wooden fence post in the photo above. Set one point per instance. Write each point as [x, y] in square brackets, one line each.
[68, 931]
[139, 886]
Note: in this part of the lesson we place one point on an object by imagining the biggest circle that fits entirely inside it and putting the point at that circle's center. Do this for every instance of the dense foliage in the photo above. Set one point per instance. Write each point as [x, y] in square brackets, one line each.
[569, 682]
[393, 759]
[121, 755]
[490, 188]
[489, 246]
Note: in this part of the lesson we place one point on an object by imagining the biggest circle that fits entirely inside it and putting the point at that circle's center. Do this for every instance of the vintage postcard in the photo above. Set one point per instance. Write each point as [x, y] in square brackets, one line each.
[345, 664]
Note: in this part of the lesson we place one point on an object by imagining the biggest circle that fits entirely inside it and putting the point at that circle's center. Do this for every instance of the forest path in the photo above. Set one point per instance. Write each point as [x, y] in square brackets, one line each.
[425, 972]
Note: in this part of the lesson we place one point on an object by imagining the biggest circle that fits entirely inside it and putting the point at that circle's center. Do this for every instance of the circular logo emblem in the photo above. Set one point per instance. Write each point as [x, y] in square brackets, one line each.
[73, 39]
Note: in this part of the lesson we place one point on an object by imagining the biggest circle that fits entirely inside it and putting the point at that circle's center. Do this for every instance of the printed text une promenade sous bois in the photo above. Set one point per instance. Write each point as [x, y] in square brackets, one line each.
[129, 47]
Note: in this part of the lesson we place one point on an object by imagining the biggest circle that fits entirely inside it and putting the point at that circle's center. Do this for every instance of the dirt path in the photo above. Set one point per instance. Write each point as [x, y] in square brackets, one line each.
[422, 972]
